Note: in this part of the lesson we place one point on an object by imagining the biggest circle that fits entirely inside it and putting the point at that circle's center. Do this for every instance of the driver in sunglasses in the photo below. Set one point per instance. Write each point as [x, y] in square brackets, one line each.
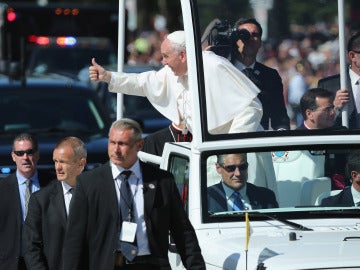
[233, 192]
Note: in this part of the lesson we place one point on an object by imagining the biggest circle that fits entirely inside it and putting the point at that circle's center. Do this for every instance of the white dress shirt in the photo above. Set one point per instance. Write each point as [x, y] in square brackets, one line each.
[136, 186]
[355, 86]
[356, 195]
[67, 195]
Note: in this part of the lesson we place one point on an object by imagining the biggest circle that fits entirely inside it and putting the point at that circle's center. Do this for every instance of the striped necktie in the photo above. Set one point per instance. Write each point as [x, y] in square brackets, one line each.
[237, 202]
[27, 195]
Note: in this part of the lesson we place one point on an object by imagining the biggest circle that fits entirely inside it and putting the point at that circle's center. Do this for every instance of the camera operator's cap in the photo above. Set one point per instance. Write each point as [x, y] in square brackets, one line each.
[177, 37]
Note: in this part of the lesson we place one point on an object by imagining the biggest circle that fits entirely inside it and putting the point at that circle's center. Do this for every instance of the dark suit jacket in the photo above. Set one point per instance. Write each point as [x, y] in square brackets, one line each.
[44, 228]
[335, 127]
[332, 84]
[154, 143]
[335, 162]
[11, 221]
[94, 220]
[344, 198]
[260, 198]
[271, 96]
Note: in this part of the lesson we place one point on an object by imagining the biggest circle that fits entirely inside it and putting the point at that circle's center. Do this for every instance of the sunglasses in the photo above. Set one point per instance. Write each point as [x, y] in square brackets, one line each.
[232, 168]
[23, 152]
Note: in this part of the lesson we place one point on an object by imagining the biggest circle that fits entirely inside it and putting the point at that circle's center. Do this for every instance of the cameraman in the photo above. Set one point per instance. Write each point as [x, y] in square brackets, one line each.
[268, 80]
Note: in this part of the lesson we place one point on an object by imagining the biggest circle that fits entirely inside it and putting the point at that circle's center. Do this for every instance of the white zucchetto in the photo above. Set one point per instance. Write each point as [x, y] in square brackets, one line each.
[177, 37]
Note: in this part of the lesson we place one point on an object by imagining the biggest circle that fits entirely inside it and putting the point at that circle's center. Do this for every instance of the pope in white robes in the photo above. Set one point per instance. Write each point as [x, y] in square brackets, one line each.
[231, 98]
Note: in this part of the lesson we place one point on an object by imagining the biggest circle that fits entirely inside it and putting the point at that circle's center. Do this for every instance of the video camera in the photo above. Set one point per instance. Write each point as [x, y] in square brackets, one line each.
[222, 37]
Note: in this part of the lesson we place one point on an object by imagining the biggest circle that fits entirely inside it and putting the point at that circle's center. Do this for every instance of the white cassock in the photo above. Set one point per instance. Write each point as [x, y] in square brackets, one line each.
[231, 98]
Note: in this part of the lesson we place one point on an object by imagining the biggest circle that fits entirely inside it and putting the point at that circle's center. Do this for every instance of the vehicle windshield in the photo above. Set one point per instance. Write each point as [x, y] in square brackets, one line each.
[293, 182]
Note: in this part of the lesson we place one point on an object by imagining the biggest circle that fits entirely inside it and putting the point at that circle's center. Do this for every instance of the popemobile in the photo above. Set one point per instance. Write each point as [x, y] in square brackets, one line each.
[283, 220]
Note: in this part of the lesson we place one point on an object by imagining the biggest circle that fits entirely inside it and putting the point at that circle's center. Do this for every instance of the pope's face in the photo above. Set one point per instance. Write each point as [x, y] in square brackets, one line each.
[175, 59]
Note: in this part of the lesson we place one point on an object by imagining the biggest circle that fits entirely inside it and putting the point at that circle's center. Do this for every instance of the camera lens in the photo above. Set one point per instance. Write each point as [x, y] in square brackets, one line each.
[241, 34]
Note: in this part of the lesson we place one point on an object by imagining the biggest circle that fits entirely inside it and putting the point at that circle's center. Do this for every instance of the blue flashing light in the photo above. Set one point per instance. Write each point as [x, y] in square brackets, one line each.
[5, 170]
[66, 41]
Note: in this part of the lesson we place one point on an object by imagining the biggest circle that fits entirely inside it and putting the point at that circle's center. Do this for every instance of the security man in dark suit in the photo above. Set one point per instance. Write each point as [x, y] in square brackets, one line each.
[14, 189]
[349, 196]
[122, 212]
[265, 78]
[318, 110]
[350, 96]
[45, 223]
[233, 192]
[319, 114]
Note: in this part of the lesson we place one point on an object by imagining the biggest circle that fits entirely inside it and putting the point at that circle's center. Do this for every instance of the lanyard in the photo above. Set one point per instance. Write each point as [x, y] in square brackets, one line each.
[129, 204]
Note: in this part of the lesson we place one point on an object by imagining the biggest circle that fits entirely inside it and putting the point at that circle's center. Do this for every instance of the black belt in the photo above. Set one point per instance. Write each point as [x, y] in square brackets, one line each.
[120, 260]
[21, 263]
[145, 259]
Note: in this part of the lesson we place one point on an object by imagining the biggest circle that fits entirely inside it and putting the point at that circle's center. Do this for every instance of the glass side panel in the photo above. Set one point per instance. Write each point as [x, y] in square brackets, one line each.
[179, 167]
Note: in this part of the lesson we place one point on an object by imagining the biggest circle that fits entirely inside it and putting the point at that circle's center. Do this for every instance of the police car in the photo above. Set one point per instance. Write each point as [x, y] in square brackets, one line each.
[52, 108]
[67, 55]
[71, 56]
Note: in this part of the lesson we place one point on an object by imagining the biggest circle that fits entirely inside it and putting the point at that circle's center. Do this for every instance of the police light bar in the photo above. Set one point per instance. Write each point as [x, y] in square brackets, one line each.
[66, 41]
[46, 41]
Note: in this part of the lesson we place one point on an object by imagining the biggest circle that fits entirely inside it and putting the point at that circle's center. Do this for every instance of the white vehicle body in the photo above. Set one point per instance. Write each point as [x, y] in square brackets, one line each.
[325, 240]
[299, 234]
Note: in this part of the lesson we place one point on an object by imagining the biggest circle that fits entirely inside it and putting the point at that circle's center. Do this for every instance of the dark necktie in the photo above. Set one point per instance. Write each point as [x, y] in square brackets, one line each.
[27, 195]
[129, 250]
[249, 72]
[238, 204]
[125, 197]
